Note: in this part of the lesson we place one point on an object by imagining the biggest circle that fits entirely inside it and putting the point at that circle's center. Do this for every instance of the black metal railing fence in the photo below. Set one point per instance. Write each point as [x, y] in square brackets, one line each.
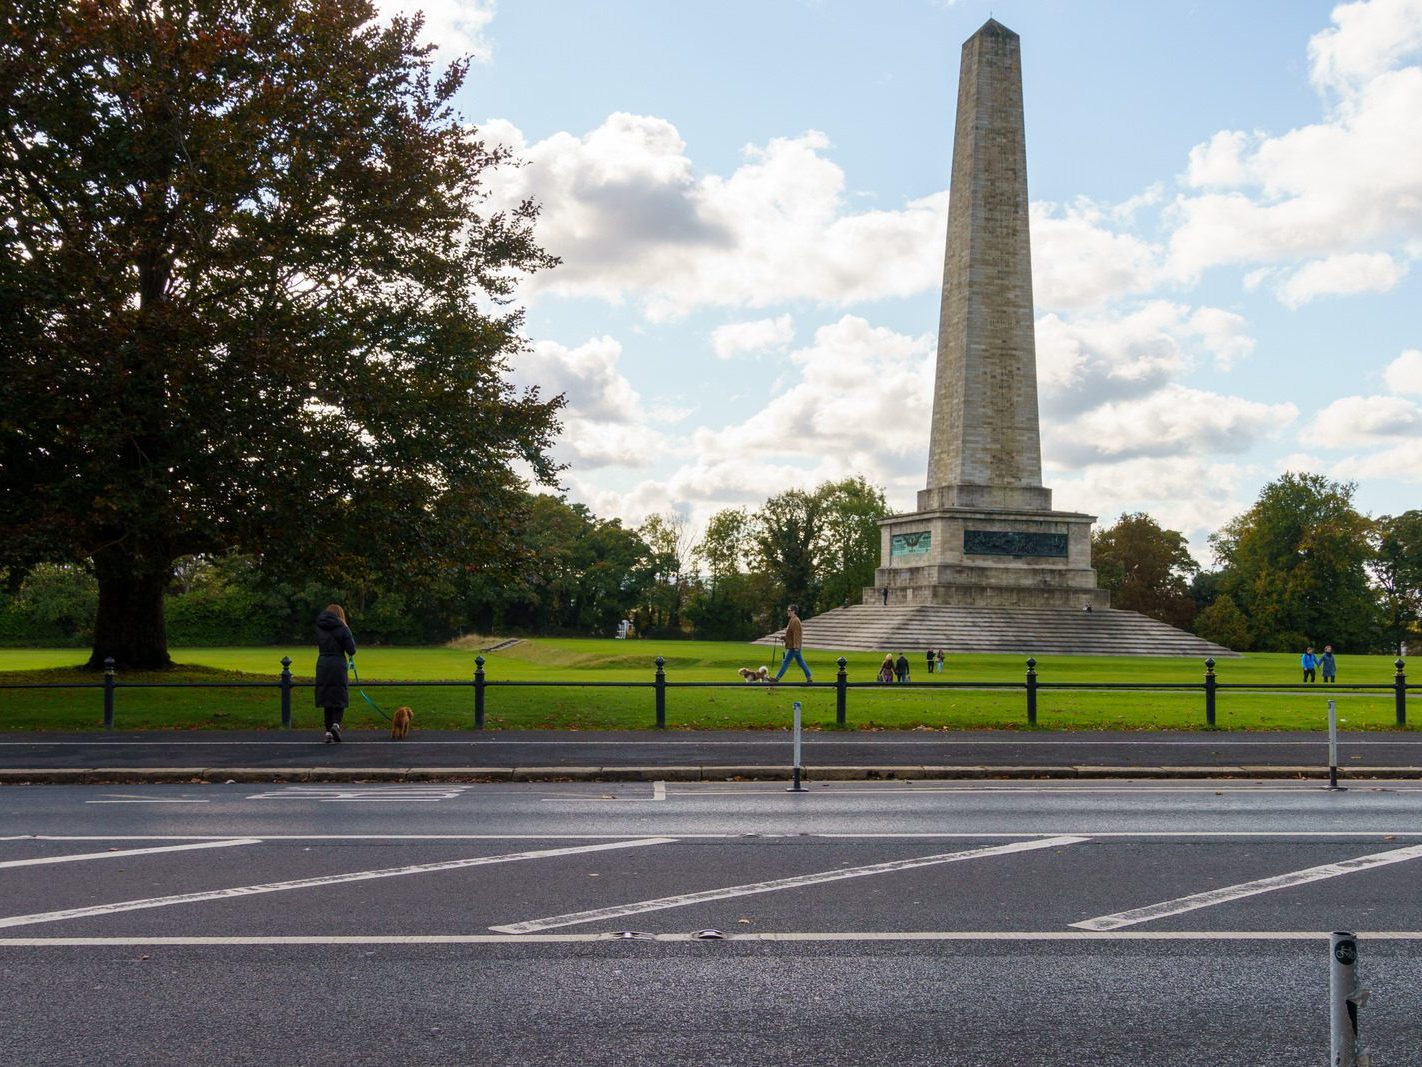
[480, 685]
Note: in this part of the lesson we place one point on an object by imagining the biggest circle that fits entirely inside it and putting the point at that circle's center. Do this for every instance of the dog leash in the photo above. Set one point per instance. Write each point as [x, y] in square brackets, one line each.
[362, 693]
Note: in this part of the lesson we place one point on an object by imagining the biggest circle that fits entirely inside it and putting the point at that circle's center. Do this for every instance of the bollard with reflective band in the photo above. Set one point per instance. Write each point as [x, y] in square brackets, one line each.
[1345, 998]
[1333, 747]
[795, 786]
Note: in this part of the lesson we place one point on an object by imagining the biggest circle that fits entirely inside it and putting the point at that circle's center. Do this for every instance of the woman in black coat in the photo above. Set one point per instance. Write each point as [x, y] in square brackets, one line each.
[336, 642]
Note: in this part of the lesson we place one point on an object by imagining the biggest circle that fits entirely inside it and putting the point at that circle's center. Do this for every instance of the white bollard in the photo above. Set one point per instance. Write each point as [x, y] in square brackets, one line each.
[1344, 1000]
[1333, 747]
[795, 786]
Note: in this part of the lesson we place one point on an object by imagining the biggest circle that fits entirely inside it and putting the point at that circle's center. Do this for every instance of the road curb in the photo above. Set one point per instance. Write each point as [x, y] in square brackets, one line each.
[695, 773]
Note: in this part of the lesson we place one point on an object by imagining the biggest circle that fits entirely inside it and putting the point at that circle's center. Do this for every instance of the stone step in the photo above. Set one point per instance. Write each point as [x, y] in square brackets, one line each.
[1067, 631]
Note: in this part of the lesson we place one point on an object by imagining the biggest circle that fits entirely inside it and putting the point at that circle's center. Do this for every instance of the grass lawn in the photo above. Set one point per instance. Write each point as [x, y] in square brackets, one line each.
[1286, 705]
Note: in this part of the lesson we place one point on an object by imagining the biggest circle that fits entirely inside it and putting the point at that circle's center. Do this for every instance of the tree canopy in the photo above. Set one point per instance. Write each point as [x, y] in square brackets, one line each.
[1148, 569]
[250, 298]
[1295, 564]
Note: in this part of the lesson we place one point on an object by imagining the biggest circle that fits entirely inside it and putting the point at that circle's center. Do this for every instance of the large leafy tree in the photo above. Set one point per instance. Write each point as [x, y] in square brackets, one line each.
[1397, 567]
[1296, 563]
[250, 298]
[853, 509]
[787, 544]
[1148, 569]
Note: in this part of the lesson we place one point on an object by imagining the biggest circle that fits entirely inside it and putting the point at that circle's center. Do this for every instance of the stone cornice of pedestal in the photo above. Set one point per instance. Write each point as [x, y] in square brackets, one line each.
[989, 514]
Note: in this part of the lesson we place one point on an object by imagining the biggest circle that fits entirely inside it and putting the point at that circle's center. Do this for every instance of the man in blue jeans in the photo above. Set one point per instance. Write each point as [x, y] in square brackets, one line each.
[794, 637]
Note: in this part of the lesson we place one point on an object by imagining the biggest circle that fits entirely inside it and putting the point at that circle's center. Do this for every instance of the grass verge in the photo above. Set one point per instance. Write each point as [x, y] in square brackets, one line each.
[1286, 705]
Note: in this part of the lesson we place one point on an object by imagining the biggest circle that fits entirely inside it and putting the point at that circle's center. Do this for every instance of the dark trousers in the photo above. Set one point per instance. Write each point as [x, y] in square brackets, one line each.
[333, 716]
[1310, 675]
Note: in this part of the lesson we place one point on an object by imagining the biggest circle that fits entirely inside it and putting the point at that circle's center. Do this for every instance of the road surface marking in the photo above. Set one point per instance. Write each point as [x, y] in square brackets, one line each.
[374, 794]
[659, 790]
[810, 741]
[147, 800]
[312, 883]
[851, 835]
[126, 853]
[1248, 889]
[1371, 936]
[637, 908]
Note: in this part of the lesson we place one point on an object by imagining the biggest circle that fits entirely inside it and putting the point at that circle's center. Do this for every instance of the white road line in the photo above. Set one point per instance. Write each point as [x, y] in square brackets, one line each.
[1370, 936]
[39, 861]
[1383, 832]
[810, 741]
[312, 883]
[637, 908]
[147, 801]
[659, 790]
[1247, 889]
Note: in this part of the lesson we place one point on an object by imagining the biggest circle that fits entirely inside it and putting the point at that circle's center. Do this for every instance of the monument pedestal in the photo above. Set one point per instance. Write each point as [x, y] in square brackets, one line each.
[949, 552]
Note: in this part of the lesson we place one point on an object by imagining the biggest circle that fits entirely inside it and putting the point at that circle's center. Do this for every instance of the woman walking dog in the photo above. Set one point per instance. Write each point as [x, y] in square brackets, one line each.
[336, 643]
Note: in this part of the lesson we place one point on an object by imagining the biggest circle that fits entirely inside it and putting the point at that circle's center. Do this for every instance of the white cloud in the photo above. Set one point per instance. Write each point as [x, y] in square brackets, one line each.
[1402, 463]
[1365, 40]
[1359, 420]
[1348, 184]
[757, 336]
[630, 218]
[1220, 162]
[1192, 494]
[1404, 374]
[1172, 421]
[1078, 261]
[1091, 359]
[604, 423]
[457, 27]
[1342, 275]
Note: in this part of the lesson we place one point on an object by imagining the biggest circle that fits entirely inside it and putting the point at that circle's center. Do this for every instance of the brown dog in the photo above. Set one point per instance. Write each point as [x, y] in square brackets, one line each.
[753, 675]
[400, 725]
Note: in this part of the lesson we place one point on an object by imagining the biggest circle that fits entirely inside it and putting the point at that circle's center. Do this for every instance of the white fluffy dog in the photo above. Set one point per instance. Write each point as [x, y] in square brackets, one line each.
[758, 674]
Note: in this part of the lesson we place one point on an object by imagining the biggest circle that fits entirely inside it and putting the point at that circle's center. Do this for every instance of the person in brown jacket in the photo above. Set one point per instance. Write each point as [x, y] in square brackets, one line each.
[794, 637]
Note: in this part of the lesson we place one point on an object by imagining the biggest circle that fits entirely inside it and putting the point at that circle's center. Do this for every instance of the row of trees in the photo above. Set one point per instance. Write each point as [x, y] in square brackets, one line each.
[1300, 566]
[577, 573]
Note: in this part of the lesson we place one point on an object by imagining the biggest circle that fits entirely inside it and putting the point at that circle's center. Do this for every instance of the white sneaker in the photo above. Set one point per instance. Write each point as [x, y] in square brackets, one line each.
[329, 737]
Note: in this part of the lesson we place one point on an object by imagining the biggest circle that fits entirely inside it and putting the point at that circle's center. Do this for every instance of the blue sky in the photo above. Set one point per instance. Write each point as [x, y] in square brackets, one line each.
[750, 200]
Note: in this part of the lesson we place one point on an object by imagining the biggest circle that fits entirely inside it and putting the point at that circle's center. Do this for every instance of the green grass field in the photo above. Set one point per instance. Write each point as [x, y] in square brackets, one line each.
[1286, 705]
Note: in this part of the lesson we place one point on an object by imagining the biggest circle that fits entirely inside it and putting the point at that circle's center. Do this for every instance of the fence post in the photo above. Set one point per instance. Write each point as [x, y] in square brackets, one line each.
[286, 692]
[1210, 692]
[109, 683]
[1031, 692]
[661, 687]
[841, 691]
[478, 692]
[1400, 685]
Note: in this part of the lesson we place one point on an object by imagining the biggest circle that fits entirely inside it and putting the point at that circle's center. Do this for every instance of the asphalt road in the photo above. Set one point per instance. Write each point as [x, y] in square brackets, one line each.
[932, 922]
[704, 755]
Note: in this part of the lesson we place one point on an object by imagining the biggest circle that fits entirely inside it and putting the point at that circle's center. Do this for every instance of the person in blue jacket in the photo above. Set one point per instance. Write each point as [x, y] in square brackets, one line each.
[1327, 666]
[336, 644]
[1310, 665]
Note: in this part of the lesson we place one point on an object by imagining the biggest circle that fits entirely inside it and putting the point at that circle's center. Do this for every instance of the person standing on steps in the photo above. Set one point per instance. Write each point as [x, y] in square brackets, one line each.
[794, 638]
[1327, 666]
[336, 643]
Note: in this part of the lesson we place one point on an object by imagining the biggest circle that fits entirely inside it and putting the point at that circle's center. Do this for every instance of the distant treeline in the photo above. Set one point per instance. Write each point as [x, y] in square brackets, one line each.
[1301, 566]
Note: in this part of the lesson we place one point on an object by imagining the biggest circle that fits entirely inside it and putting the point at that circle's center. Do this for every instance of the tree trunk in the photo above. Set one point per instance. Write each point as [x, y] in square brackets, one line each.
[130, 626]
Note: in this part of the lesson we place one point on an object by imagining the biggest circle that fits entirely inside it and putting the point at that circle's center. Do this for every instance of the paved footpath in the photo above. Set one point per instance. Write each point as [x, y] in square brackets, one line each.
[543, 755]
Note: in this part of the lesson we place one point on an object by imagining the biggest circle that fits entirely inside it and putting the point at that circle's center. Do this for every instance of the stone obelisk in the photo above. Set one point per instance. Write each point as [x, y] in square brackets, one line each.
[985, 533]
